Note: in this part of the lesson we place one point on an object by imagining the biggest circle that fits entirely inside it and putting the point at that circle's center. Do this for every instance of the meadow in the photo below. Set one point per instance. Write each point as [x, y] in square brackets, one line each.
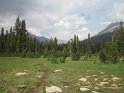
[41, 73]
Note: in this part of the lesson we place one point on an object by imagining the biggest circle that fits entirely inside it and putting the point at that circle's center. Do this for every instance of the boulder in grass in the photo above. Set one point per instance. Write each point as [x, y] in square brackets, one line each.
[94, 75]
[114, 85]
[115, 78]
[66, 86]
[88, 76]
[102, 72]
[83, 79]
[114, 88]
[112, 75]
[21, 74]
[105, 79]
[97, 88]
[53, 89]
[22, 86]
[58, 70]
[84, 89]
[38, 76]
[103, 83]
[96, 79]
[95, 92]
[25, 70]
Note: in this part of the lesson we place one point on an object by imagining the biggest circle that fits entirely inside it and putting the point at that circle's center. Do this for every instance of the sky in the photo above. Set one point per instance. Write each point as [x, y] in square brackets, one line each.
[62, 18]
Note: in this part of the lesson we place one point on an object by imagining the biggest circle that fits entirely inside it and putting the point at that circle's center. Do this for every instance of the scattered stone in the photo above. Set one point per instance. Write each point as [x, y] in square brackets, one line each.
[95, 92]
[66, 86]
[25, 70]
[83, 79]
[77, 84]
[84, 89]
[53, 89]
[88, 86]
[121, 59]
[39, 76]
[88, 76]
[94, 75]
[102, 72]
[112, 75]
[103, 83]
[97, 88]
[105, 79]
[88, 82]
[22, 86]
[59, 70]
[96, 79]
[21, 74]
[105, 75]
[115, 78]
[114, 85]
[120, 84]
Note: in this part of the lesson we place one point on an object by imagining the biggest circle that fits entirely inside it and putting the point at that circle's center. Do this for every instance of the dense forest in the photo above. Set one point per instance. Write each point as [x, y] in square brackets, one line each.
[18, 42]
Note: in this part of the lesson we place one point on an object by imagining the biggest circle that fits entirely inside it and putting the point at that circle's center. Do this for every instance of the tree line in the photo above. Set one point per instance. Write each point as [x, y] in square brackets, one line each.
[18, 42]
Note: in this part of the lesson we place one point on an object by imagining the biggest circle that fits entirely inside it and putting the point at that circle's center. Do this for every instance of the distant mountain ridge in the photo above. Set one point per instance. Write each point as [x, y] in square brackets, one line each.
[44, 39]
[105, 35]
[110, 28]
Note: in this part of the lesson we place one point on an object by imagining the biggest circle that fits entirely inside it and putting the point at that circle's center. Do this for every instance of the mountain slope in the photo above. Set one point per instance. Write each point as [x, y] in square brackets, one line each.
[44, 39]
[105, 35]
[41, 39]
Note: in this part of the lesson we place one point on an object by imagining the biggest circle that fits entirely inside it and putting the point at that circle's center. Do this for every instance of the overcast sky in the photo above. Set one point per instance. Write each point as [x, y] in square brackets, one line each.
[62, 18]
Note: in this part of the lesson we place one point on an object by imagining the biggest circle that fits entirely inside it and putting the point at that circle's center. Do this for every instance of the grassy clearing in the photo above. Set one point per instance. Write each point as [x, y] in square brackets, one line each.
[67, 80]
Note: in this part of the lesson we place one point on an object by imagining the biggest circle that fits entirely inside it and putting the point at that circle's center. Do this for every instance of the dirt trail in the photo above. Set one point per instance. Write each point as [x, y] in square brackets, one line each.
[40, 83]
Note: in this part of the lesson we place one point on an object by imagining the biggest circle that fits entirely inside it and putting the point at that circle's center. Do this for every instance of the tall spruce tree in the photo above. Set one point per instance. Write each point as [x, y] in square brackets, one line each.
[17, 29]
[17, 41]
[2, 42]
[119, 38]
[75, 48]
[90, 46]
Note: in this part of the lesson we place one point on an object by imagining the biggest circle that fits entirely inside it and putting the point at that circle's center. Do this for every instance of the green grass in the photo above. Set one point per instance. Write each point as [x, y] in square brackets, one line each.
[72, 72]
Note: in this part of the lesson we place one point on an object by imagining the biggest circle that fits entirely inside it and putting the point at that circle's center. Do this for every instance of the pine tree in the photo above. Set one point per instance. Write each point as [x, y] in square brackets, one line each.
[119, 39]
[90, 46]
[7, 41]
[63, 55]
[2, 42]
[109, 53]
[17, 29]
[75, 48]
[54, 53]
[18, 42]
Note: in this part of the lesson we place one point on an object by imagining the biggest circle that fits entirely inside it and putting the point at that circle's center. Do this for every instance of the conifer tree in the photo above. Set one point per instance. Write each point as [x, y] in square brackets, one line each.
[90, 46]
[119, 39]
[75, 48]
[2, 42]
[17, 29]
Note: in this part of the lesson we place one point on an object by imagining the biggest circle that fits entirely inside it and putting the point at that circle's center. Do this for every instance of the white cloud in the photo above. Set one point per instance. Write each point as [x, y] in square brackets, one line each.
[120, 12]
[65, 27]
[62, 18]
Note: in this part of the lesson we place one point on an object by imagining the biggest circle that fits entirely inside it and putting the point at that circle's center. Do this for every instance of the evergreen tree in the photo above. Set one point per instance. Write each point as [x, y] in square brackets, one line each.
[109, 53]
[2, 42]
[54, 53]
[45, 47]
[90, 46]
[18, 42]
[7, 41]
[63, 55]
[75, 48]
[119, 39]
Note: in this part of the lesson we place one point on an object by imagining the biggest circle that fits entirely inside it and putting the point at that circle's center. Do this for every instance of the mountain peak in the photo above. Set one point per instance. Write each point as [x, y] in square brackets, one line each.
[110, 28]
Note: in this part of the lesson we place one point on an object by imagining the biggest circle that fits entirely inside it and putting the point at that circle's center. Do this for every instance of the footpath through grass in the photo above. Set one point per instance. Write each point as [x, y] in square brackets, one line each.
[67, 79]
